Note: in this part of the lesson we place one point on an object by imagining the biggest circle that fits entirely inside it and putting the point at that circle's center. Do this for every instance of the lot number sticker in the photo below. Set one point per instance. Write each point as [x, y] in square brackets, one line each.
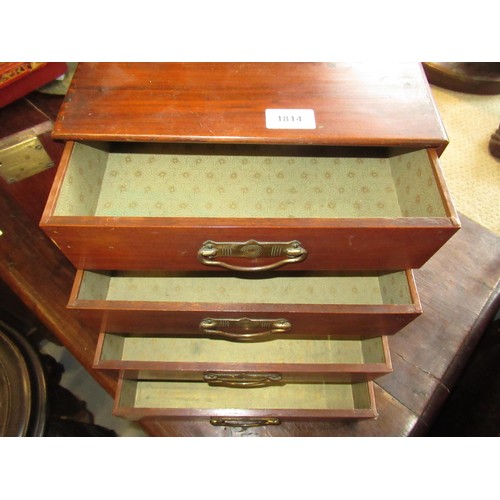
[290, 119]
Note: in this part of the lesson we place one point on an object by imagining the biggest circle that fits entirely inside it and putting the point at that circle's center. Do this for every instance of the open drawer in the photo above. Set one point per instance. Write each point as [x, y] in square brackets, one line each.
[251, 308]
[243, 365]
[231, 406]
[204, 207]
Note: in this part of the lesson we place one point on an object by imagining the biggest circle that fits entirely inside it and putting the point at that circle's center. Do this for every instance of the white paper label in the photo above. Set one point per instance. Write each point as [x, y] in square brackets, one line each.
[290, 119]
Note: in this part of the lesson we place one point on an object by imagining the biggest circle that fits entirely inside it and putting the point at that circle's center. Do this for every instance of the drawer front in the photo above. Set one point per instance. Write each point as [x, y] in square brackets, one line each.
[232, 308]
[140, 206]
[270, 405]
[243, 365]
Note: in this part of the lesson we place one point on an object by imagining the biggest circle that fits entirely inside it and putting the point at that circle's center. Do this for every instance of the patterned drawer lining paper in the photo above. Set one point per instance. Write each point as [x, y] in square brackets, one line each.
[328, 288]
[200, 350]
[160, 394]
[162, 180]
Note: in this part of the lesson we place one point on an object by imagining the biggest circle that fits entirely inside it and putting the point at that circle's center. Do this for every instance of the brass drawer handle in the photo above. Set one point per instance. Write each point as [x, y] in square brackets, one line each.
[292, 252]
[245, 380]
[244, 422]
[244, 328]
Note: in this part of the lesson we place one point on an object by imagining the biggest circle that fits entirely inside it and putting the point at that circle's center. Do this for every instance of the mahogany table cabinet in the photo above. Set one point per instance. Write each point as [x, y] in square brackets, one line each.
[245, 234]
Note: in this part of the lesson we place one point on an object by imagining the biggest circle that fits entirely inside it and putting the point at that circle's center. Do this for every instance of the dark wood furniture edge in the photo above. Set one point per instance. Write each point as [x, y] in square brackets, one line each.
[481, 78]
[37, 272]
[456, 367]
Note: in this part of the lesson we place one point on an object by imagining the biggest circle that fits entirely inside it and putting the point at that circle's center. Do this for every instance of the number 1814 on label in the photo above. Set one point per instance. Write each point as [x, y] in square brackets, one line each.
[290, 119]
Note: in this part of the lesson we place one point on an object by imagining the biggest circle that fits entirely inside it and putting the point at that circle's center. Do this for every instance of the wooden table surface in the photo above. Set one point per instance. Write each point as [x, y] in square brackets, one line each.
[458, 288]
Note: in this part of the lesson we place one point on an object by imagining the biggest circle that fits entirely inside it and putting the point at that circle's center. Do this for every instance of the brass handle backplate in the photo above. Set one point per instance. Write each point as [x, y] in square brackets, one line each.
[244, 422]
[211, 252]
[244, 380]
[244, 328]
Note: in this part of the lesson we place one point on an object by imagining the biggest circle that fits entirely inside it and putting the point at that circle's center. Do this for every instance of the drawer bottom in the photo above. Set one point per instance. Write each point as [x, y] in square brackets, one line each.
[137, 399]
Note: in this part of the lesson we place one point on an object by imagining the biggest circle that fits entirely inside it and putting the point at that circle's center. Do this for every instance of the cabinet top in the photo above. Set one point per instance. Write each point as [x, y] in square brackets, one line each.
[321, 104]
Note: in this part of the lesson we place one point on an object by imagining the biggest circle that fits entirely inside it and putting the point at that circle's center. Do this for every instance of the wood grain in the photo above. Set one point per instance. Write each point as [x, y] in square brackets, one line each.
[139, 243]
[354, 104]
[458, 286]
